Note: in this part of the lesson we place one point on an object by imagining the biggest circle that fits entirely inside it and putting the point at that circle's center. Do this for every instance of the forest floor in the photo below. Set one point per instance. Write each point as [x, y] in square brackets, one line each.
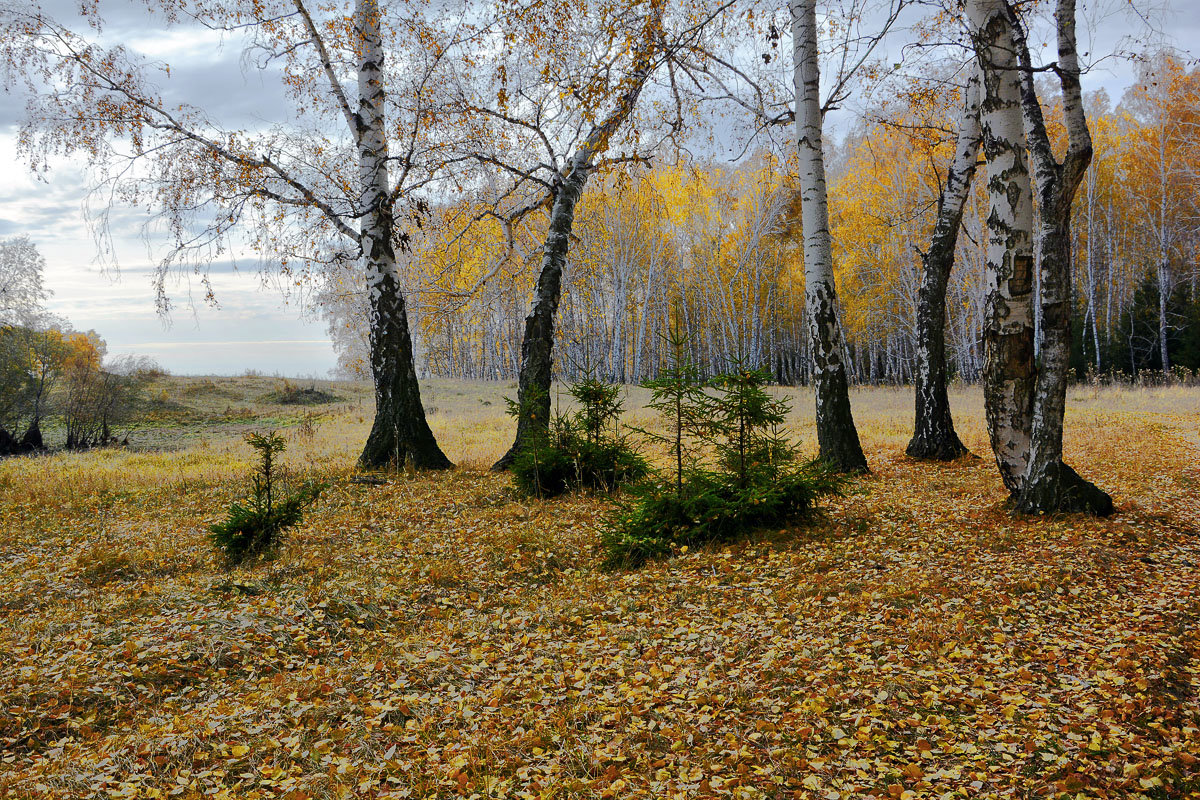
[440, 636]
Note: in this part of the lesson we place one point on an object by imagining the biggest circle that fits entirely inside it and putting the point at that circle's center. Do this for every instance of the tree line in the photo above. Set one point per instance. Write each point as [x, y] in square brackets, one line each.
[523, 110]
[714, 244]
[51, 373]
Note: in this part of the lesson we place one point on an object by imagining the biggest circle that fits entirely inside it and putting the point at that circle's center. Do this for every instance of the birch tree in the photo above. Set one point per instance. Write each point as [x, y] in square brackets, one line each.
[1165, 181]
[399, 434]
[537, 343]
[23, 291]
[305, 193]
[934, 436]
[642, 47]
[1008, 374]
[836, 434]
[1050, 485]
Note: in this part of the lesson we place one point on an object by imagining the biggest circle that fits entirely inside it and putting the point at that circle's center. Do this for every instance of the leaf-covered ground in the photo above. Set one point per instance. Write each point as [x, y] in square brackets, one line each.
[438, 636]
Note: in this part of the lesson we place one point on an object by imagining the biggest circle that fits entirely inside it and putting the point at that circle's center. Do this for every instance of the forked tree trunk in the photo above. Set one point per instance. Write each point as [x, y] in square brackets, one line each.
[537, 345]
[1008, 369]
[1050, 485]
[837, 437]
[400, 435]
[934, 436]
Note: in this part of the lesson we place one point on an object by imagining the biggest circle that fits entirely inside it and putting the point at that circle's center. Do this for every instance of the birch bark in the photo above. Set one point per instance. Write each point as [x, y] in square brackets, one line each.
[1008, 370]
[836, 435]
[400, 435]
[1050, 485]
[934, 436]
[537, 345]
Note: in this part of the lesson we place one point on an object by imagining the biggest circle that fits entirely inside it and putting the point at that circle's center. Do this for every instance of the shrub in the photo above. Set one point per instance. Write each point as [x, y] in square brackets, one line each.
[713, 507]
[291, 394]
[585, 449]
[253, 528]
[757, 482]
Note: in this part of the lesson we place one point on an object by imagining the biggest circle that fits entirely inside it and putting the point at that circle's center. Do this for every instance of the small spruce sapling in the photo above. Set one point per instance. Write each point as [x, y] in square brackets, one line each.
[584, 449]
[604, 458]
[677, 394]
[757, 482]
[253, 528]
[750, 423]
[600, 408]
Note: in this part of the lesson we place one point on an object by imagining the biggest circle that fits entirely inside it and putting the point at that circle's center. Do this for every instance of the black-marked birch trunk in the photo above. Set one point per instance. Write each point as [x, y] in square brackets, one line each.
[836, 435]
[1050, 485]
[537, 344]
[400, 435]
[1008, 371]
[934, 436]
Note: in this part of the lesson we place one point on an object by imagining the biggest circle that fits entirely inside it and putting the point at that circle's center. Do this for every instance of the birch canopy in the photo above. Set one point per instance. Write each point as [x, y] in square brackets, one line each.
[339, 181]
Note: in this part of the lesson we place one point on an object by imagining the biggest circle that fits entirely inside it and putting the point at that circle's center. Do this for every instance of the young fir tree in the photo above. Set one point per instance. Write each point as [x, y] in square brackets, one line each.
[750, 423]
[253, 528]
[757, 482]
[584, 449]
[600, 409]
[678, 395]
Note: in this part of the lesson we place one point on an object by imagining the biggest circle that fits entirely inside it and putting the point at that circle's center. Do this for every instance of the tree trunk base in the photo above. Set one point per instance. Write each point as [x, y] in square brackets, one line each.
[845, 460]
[32, 440]
[386, 450]
[946, 447]
[1060, 490]
[506, 460]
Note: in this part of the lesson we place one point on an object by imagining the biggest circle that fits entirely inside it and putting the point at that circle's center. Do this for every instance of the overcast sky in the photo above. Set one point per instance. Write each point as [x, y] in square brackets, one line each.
[253, 327]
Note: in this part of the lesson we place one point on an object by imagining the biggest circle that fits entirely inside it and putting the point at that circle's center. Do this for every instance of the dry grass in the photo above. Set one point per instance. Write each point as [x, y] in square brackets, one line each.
[439, 636]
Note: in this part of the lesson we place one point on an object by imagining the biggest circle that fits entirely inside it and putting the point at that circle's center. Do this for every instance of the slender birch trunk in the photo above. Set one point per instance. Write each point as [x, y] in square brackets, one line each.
[1049, 485]
[1164, 288]
[1164, 292]
[934, 436]
[400, 434]
[836, 435]
[537, 346]
[1108, 286]
[1008, 370]
[1091, 268]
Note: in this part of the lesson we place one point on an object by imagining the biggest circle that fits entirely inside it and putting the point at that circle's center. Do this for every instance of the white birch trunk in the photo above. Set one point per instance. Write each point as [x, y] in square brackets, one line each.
[934, 436]
[1049, 484]
[537, 344]
[1008, 315]
[400, 435]
[836, 435]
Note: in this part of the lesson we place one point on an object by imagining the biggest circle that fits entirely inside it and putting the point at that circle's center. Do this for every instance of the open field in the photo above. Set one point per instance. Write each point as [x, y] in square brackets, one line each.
[439, 636]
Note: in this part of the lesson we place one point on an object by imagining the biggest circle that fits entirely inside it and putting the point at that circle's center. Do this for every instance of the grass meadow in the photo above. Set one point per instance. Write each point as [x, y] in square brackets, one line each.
[438, 635]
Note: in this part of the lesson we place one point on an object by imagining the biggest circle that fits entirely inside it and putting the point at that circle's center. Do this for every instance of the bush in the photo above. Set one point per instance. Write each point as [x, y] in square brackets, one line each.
[714, 507]
[291, 394]
[757, 482]
[252, 529]
[581, 450]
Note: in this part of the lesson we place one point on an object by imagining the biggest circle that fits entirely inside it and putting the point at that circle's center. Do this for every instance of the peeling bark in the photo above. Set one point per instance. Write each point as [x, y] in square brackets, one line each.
[1008, 341]
[400, 435]
[837, 436]
[934, 436]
